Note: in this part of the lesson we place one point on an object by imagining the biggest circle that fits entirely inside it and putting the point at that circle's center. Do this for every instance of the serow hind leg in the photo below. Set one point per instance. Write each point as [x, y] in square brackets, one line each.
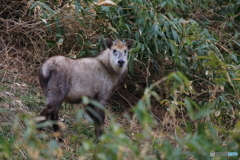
[44, 115]
[51, 110]
[56, 128]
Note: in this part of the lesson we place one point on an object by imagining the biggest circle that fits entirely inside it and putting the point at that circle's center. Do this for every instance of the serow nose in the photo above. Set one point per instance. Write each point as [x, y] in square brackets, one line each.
[120, 62]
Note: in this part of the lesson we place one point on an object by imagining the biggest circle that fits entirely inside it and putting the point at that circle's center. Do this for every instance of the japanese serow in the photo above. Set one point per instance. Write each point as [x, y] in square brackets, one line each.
[66, 80]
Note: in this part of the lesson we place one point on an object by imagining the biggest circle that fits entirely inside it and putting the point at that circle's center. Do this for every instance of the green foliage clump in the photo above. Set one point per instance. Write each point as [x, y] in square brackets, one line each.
[186, 55]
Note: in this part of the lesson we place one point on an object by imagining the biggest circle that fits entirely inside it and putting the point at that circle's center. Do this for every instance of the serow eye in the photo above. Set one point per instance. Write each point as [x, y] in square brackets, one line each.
[114, 51]
[125, 52]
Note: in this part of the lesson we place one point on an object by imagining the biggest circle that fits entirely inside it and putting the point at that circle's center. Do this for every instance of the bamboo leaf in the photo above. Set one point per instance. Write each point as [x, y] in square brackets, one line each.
[47, 8]
[34, 5]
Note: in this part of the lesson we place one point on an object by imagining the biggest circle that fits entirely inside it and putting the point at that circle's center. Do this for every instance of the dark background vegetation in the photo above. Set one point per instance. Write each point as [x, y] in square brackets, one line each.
[180, 99]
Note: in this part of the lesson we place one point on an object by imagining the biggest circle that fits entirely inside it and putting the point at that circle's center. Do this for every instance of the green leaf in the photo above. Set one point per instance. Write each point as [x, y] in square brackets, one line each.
[43, 12]
[190, 107]
[136, 49]
[113, 29]
[51, 43]
[126, 25]
[175, 36]
[201, 113]
[143, 115]
[189, 42]
[79, 115]
[47, 8]
[212, 130]
[77, 6]
[60, 41]
[234, 57]
[33, 5]
[85, 100]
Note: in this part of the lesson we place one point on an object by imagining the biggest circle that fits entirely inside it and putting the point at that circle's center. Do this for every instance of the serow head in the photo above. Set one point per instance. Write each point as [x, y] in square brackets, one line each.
[119, 52]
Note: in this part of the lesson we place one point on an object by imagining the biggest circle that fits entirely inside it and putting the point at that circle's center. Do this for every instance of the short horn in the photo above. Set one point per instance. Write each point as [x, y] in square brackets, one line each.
[123, 42]
[115, 42]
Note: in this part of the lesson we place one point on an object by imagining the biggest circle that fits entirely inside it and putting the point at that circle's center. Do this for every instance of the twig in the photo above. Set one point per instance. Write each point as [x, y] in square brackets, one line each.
[225, 49]
[200, 78]
[147, 69]
[23, 154]
[125, 99]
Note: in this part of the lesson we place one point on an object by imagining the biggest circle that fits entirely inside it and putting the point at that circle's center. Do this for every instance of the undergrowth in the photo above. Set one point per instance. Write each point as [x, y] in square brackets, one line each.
[180, 99]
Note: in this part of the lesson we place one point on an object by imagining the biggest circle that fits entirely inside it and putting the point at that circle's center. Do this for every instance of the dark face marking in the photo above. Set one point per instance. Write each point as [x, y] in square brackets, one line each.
[121, 63]
[115, 53]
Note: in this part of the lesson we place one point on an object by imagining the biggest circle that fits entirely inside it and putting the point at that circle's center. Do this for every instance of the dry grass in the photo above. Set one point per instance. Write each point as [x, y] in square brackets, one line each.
[23, 37]
[23, 48]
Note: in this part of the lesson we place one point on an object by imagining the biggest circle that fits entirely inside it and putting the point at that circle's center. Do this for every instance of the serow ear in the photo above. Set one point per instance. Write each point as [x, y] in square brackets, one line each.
[108, 42]
[129, 43]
